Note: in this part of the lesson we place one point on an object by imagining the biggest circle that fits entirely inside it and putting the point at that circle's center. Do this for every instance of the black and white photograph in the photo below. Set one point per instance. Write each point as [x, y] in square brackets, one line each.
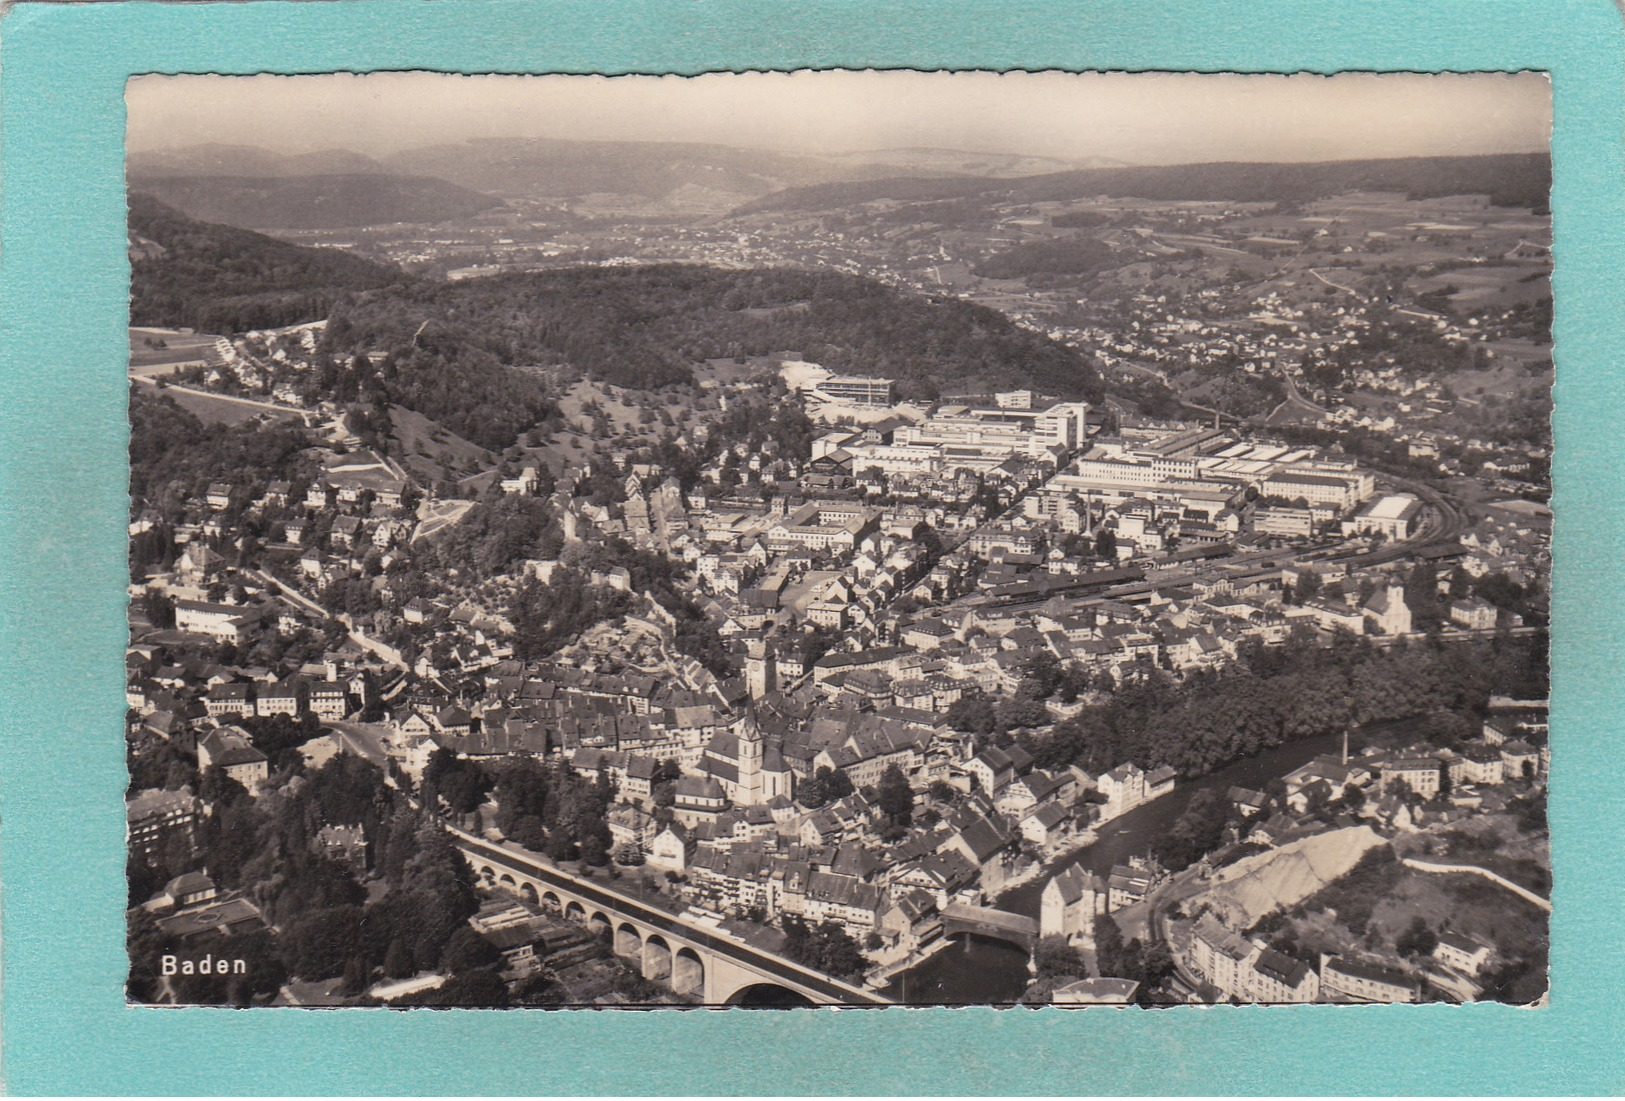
[839, 538]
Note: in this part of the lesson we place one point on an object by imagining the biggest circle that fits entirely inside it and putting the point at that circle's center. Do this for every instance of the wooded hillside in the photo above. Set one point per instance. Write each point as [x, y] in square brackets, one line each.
[645, 327]
[219, 279]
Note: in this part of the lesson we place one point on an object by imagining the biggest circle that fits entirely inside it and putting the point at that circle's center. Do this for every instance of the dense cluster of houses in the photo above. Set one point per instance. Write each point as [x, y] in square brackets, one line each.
[728, 823]
[861, 601]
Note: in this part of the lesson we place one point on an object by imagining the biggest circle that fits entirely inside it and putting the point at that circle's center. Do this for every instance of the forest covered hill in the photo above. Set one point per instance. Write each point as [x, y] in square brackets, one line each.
[220, 279]
[646, 327]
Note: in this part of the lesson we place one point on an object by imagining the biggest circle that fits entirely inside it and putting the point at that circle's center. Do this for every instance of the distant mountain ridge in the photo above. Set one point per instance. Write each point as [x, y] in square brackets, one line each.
[1509, 179]
[216, 159]
[329, 200]
[917, 161]
[563, 168]
[684, 176]
[336, 188]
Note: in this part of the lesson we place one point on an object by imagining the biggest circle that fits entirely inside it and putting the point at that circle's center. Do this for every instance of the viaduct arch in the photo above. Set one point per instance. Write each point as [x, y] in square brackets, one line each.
[690, 959]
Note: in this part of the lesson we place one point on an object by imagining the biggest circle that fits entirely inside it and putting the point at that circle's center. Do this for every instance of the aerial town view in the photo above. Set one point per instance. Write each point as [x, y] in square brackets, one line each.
[840, 538]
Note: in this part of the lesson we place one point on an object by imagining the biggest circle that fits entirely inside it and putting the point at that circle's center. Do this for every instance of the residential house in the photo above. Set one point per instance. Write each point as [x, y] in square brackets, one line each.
[1124, 788]
[1128, 884]
[154, 816]
[283, 698]
[329, 701]
[229, 748]
[1465, 954]
[1219, 956]
[671, 849]
[229, 699]
[1275, 978]
[1473, 614]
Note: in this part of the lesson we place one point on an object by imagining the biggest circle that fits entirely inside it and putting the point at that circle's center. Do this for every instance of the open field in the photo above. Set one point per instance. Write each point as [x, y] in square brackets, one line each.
[180, 350]
[425, 445]
[220, 409]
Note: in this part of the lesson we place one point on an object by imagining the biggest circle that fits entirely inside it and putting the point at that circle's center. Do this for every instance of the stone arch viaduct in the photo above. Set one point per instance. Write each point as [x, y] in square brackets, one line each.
[673, 949]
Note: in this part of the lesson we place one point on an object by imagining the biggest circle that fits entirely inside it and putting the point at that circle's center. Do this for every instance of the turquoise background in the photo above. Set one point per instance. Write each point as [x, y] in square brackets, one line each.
[63, 284]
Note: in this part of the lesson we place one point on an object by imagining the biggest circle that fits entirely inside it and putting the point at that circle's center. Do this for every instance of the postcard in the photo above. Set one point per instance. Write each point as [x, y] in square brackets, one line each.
[811, 537]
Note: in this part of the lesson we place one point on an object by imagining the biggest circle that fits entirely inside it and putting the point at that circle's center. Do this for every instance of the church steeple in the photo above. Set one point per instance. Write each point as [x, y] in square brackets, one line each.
[761, 671]
[750, 758]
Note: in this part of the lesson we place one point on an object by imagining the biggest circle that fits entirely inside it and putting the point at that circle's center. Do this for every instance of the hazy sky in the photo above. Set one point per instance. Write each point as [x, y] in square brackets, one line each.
[1152, 118]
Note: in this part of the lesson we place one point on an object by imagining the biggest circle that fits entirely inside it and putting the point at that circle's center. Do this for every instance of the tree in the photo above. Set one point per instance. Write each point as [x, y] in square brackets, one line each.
[895, 797]
[398, 962]
[321, 944]
[828, 785]
[1022, 709]
[1108, 946]
[973, 714]
[1417, 939]
[471, 989]
[468, 951]
[1055, 958]
[1309, 585]
[461, 784]
[1106, 544]
[825, 947]
[540, 988]
[160, 610]
[1043, 670]
[356, 976]
[594, 840]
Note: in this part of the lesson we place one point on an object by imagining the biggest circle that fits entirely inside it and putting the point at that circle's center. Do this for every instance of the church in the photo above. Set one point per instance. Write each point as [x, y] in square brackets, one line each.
[750, 768]
[1387, 610]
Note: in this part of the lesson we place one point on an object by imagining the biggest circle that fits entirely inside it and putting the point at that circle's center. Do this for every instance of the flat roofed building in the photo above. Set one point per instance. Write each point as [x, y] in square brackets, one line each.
[855, 390]
[154, 814]
[222, 621]
[1394, 517]
[1331, 489]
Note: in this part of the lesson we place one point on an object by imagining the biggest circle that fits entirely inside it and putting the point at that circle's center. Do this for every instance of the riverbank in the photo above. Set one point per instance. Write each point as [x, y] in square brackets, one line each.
[885, 973]
[1045, 868]
[1131, 833]
[988, 972]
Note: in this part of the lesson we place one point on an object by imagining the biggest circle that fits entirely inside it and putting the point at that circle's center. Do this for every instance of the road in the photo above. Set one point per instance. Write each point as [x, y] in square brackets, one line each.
[832, 991]
[284, 410]
[363, 739]
[1295, 401]
[286, 592]
[1339, 286]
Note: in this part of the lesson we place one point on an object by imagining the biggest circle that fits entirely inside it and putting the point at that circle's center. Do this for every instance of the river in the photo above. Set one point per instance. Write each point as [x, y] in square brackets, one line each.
[987, 971]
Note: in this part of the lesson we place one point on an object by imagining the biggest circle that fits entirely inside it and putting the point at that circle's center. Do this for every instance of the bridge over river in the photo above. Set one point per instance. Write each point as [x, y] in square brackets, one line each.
[995, 924]
[691, 957]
